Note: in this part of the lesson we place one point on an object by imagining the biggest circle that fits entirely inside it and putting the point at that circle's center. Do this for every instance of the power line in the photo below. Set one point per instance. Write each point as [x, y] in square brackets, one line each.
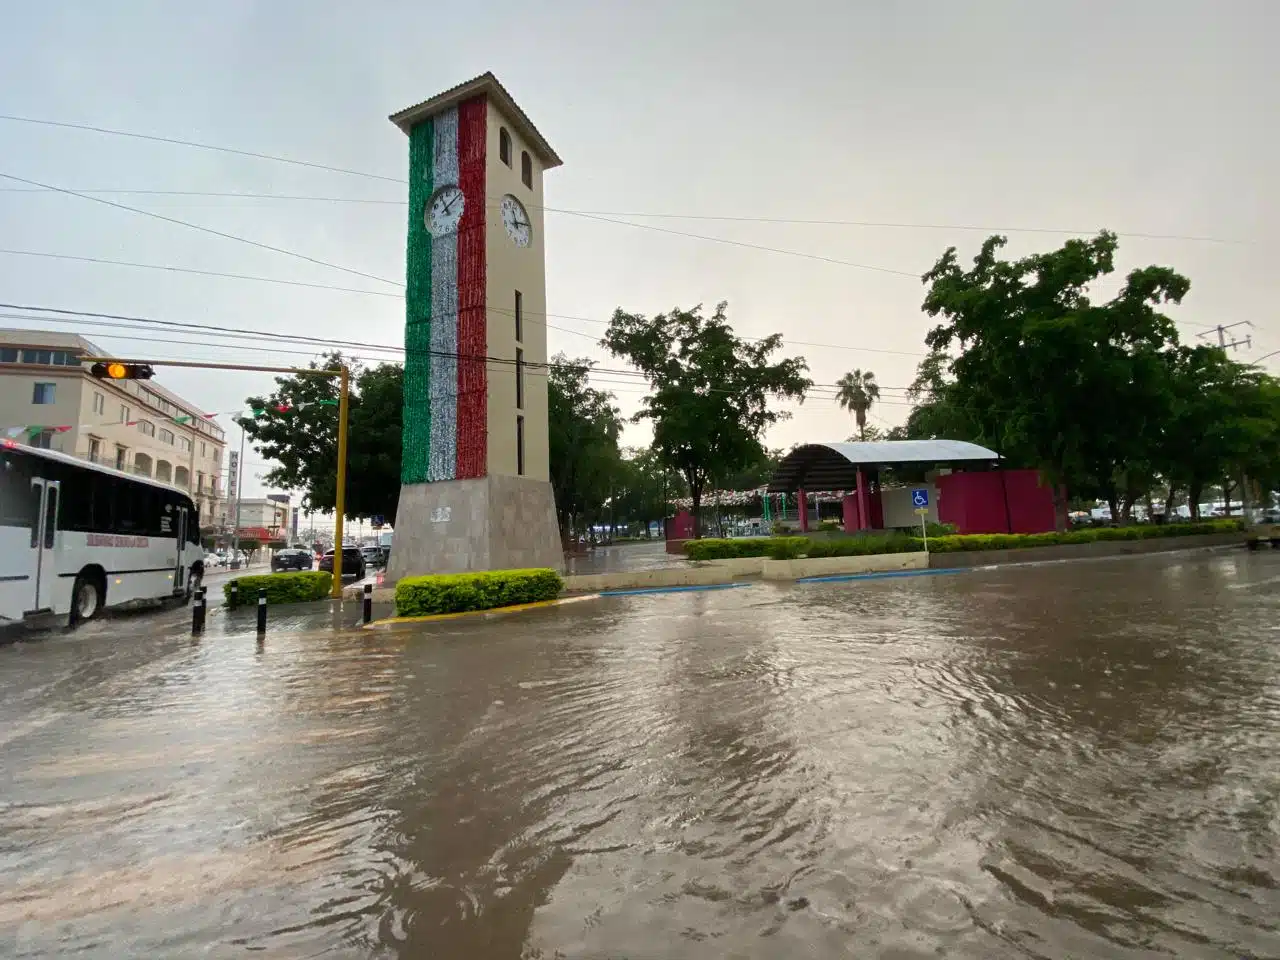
[203, 273]
[192, 143]
[721, 218]
[202, 229]
[274, 337]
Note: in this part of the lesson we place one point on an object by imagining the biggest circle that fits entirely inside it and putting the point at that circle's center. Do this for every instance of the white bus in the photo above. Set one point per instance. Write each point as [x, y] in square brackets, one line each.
[76, 538]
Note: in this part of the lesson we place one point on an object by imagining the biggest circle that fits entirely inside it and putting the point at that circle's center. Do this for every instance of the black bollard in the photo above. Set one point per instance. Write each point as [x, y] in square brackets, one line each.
[197, 612]
[368, 602]
[235, 594]
[262, 611]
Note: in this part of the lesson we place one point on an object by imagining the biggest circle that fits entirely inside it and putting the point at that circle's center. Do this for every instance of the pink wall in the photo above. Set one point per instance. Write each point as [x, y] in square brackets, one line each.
[975, 502]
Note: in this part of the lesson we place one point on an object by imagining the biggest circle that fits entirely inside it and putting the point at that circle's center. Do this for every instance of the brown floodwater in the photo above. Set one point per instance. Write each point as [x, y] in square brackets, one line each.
[1066, 760]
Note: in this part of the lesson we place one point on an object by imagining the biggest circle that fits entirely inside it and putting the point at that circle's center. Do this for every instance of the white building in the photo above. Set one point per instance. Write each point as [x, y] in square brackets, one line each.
[261, 518]
[133, 425]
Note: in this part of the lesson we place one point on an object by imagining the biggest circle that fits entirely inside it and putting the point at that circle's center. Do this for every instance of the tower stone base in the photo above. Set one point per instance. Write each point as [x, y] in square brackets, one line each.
[489, 523]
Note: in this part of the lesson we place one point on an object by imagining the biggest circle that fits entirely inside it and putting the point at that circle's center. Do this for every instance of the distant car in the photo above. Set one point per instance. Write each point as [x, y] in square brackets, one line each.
[372, 556]
[353, 565]
[212, 560]
[284, 560]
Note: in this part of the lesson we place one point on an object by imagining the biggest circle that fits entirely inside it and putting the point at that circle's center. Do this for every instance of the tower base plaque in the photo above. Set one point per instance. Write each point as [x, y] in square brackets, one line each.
[487, 523]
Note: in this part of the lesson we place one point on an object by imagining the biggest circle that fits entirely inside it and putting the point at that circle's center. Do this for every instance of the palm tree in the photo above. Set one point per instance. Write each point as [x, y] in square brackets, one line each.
[857, 392]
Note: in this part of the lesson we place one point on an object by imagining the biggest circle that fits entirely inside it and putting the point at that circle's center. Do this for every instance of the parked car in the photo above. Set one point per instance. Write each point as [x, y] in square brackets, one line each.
[212, 560]
[287, 559]
[353, 565]
[372, 556]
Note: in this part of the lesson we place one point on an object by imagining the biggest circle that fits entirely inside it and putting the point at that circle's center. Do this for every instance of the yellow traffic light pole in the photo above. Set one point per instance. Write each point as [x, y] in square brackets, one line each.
[343, 373]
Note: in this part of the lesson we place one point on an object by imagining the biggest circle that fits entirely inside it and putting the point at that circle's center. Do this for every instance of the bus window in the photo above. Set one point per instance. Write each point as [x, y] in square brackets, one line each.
[19, 501]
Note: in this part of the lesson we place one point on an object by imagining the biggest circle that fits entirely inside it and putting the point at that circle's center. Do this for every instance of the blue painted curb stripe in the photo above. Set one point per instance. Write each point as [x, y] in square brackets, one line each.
[708, 586]
[836, 578]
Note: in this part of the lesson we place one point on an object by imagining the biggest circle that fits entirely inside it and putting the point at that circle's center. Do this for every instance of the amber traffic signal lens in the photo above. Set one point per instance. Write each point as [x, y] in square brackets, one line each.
[117, 371]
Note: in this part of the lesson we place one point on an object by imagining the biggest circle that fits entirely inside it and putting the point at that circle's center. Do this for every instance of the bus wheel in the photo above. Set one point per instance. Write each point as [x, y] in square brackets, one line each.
[86, 599]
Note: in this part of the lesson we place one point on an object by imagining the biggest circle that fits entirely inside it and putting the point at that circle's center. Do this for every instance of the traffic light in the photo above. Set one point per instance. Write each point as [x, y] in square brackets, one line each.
[114, 370]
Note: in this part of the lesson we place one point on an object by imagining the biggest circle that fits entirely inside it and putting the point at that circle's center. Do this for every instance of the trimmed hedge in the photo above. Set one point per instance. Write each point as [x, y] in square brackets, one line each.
[280, 587]
[1015, 541]
[458, 592]
[789, 548]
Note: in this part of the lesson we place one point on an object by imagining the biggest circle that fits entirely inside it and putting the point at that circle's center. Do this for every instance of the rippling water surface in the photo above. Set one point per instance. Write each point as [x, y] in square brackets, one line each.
[1067, 760]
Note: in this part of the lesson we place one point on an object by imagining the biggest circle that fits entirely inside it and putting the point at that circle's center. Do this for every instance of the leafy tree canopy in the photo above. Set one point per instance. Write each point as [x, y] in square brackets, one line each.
[297, 427]
[584, 429]
[709, 389]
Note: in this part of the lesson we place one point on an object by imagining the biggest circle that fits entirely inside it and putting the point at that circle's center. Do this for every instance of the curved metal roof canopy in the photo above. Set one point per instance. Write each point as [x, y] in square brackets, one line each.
[834, 466]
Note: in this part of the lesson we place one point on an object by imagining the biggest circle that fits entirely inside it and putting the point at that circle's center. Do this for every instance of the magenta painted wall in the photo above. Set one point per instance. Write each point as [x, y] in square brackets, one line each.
[975, 502]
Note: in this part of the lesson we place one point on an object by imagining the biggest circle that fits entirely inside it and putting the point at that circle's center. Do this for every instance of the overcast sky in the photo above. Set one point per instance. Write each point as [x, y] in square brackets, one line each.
[1154, 117]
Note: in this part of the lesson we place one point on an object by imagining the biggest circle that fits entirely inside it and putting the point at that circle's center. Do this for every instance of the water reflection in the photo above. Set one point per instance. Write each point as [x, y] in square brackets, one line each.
[1059, 761]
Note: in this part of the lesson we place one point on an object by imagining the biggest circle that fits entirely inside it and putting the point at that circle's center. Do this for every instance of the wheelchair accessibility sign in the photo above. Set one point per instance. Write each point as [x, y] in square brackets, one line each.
[920, 497]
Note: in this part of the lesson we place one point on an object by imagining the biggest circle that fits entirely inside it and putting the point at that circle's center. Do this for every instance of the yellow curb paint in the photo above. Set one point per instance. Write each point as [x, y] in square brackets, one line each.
[494, 612]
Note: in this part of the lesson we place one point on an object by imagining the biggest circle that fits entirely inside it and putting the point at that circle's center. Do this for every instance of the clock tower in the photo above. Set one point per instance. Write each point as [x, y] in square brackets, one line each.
[475, 491]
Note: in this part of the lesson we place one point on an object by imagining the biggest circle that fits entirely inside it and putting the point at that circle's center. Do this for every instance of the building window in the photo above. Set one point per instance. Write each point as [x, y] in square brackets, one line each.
[37, 356]
[99, 403]
[122, 457]
[95, 449]
[519, 317]
[8, 355]
[166, 436]
[520, 446]
[146, 428]
[43, 393]
[184, 444]
[43, 440]
[526, 169]
[519, 379]
[204, 449]
[504, 145]
[200, 482]
[124, 413]
[62, 358]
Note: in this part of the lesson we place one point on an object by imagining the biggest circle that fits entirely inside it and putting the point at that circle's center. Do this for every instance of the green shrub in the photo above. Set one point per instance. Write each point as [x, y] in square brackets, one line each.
[789, 548]
[1013, 541]
[716, 549]
[458, 592]
[280, 588]
[830, 526]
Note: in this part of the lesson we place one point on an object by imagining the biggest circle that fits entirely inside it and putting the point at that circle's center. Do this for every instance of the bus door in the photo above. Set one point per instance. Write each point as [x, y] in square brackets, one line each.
[180, 570]
[44, 533]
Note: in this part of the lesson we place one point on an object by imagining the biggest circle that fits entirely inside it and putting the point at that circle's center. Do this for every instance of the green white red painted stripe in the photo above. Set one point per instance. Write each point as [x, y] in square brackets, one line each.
[445, 411]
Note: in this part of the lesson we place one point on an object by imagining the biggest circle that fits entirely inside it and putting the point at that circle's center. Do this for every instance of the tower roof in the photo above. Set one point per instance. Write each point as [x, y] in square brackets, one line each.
[488, 85]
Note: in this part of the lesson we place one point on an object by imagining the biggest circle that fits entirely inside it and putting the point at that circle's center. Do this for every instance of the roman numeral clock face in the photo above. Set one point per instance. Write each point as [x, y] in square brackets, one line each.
[516, 220]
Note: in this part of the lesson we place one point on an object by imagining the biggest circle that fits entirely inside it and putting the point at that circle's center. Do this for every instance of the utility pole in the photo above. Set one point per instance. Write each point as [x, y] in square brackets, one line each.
[1223, 345]
[235, 529]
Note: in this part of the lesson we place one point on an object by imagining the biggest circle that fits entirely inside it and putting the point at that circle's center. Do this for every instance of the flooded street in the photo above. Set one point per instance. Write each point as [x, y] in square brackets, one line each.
[1069, 760]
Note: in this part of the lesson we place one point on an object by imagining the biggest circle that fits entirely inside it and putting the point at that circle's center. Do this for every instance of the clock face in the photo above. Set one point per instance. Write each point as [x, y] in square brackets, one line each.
[444, 210]
[516, 220]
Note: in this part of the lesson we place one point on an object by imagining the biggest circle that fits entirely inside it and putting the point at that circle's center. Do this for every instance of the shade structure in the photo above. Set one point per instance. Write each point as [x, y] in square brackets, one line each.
[834, 466]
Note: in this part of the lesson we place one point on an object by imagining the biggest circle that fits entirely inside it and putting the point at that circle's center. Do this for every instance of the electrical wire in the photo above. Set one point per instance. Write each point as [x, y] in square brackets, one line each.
[200, 228]
[94, 318]
[202, 273]
[648, 215]
[192, 143]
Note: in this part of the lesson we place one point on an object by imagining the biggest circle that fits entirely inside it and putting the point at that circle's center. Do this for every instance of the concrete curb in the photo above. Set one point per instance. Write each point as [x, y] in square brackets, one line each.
[493, 612]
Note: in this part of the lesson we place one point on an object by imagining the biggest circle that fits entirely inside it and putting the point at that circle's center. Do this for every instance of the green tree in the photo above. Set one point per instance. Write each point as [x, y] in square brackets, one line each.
[297, 427]
[856, 391]
[584, 429]
[709, 389]
[1047, 376]
[1224, 422]
[645, 488]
